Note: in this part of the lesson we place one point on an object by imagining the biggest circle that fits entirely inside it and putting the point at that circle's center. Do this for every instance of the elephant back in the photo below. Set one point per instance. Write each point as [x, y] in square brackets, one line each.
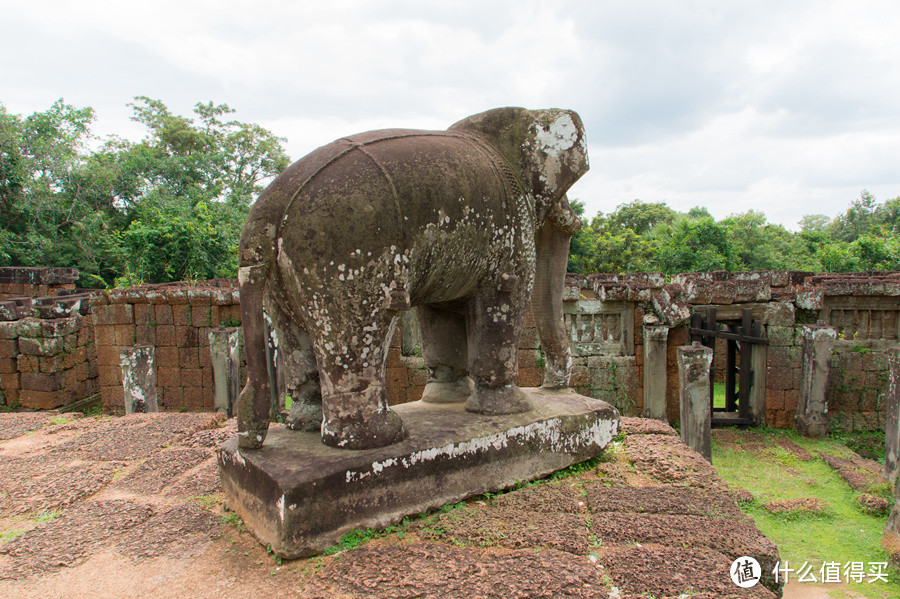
[375, 190]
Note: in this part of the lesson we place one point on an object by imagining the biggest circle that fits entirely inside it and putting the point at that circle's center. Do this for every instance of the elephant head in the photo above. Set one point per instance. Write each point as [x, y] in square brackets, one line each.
[548, 148]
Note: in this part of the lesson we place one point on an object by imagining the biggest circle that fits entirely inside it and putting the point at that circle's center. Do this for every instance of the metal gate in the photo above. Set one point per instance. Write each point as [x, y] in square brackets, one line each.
[738, 371]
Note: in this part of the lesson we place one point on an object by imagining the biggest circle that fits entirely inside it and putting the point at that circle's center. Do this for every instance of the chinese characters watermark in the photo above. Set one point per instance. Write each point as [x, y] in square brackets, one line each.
[745, 572]
[830, 572]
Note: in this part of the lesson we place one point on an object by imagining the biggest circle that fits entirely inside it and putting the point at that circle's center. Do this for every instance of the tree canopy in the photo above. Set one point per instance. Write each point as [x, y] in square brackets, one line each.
[168, 207]
[641, 236]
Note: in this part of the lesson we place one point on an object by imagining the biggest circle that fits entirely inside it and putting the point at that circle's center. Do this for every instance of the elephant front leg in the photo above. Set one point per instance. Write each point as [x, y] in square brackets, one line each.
[443, 335]
[494, 320]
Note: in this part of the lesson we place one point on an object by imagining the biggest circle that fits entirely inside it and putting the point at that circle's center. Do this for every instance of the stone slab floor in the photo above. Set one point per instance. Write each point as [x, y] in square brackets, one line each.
[131, 507]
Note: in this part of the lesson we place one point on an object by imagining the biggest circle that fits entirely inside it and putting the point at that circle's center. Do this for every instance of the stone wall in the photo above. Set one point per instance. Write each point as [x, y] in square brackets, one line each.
[175, 318]
[864, 308]
[18, 282]
[47, 353]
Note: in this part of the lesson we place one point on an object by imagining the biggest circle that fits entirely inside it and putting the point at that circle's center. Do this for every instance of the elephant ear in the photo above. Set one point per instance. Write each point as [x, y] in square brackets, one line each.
[555, 153]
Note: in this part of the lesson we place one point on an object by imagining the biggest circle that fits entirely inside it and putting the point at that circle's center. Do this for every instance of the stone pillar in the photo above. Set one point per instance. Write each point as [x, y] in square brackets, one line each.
[892, 420]
[225, 354]
[139, 378]
[812, 406]
[694, 362]
[655, 337]
[758, 357]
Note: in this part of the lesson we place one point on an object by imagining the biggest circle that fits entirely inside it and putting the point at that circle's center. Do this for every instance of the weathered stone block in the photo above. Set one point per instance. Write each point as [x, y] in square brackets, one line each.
[892, 420]
[201, 316]
[163, 313]
[113, 314]
[42, 347]
[125, 334]
[812, 407]
[779, 314]
[8, 366]
[780, 336]
[693, 380]
[41, 400]
[9, 330]
[139, 379]
[529, 339]
[529, 377]
[189, 357]
[654, 369]
[41, 381]
[105, 335]
[39, 328]
[9, 348]
[670, 305]
[788, 355]
[186, 336]
[181, 315]
[300, 496]
[417, 376]
[144, 315]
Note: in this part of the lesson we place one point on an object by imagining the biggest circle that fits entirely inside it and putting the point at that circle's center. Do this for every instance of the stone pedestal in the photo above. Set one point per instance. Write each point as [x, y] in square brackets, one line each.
[655, 338]
[812, 406]
[139, 378]
[694, 362]
[300, 496]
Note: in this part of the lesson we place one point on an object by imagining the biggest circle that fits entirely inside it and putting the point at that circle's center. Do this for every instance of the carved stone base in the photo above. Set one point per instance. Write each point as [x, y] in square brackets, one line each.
[300, 496]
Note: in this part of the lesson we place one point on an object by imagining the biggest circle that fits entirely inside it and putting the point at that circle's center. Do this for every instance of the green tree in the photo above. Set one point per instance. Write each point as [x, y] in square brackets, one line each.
[814, 223]
[856, 221]
[168, 207]
[694, 244]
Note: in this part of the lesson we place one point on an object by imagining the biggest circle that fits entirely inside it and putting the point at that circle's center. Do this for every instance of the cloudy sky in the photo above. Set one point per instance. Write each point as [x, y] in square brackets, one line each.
[790, 108]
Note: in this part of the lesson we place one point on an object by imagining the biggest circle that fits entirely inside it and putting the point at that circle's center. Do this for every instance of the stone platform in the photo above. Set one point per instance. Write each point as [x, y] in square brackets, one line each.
[299, 496]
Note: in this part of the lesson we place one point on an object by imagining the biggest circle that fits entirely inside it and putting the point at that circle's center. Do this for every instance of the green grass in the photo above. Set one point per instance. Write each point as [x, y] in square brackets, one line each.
[359, 536]
[718, 395]
[843, 533]
[46, 516]
[9, 535]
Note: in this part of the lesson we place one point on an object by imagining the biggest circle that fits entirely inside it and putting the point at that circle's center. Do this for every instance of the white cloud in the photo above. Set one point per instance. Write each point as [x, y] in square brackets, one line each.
[783, 107]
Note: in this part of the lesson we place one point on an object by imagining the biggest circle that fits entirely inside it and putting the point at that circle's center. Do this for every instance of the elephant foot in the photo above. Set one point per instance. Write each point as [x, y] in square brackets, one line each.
[506, 399]
[555, 380]
[305, 417]
[252, 429]
[251, 439]
[374, 430]
[448, 392]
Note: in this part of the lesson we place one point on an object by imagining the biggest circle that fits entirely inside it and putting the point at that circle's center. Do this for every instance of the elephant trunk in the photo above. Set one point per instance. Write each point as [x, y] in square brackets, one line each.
[552, 245]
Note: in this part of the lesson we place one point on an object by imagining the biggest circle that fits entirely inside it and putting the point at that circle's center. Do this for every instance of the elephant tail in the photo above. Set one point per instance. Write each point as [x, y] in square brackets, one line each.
[254, 403]
[257, 258]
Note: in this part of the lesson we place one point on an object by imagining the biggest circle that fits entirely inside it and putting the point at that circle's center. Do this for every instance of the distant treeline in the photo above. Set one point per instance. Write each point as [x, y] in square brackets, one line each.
[651, 237]
[171, 206]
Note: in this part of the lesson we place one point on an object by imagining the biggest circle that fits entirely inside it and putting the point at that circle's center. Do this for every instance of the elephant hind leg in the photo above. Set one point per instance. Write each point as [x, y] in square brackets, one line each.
[352, 374]
[301, 376]
[443, 335]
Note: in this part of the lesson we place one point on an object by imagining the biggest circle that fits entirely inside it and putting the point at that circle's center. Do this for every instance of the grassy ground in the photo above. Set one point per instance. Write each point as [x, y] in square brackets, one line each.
[842, 533]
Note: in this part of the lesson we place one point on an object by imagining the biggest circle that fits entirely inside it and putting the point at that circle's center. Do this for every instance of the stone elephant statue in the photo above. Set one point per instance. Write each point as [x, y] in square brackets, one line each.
[459, 224]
